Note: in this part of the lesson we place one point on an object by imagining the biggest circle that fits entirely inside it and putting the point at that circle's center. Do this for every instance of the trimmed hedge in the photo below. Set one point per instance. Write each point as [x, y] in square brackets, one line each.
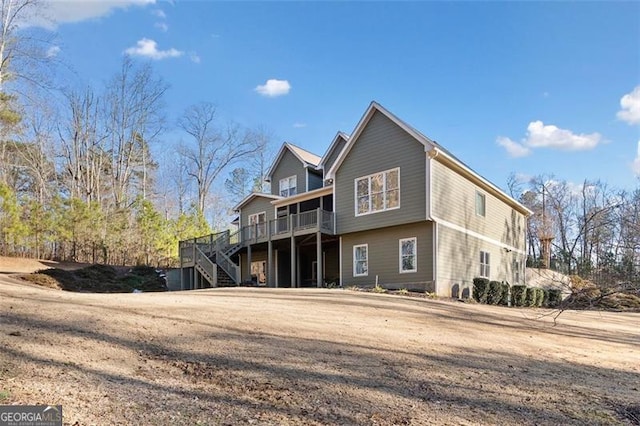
[504, 300]
[494, 295]
[480, 289]
[530, 297]
[541, 297]
[518, 295]
[554, 297]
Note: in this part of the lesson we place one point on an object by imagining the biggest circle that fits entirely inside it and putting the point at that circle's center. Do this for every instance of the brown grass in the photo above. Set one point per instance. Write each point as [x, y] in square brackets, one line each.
[279, 357]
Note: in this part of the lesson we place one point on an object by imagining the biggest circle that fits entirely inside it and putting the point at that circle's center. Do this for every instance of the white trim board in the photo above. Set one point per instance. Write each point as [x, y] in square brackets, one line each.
[478, 236]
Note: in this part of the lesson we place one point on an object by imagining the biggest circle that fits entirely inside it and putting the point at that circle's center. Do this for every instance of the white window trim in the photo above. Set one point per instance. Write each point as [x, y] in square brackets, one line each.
[287, 180]
[415, 255]
[354, 260]
[355, 192]
[484, 203]
[485, 267]
[257, 216]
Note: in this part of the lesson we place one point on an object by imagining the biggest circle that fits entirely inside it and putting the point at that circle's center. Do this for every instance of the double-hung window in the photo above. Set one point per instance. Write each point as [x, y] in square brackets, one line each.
[408, 255]
[288, 186]
[485, 268]
[377, 192]
[258, 222]
[361, 260]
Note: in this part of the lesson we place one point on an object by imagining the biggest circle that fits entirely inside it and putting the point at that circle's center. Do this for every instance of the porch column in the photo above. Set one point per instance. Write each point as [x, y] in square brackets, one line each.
[293, 262]
[319, 265]
[270, 282]
[248, 262]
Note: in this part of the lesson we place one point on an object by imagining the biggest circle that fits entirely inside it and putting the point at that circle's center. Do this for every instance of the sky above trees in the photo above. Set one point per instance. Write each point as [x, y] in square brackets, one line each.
[530, 88]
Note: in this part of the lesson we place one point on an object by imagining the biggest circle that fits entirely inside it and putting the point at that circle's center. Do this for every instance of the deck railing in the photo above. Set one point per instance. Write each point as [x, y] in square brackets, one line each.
[226, 243]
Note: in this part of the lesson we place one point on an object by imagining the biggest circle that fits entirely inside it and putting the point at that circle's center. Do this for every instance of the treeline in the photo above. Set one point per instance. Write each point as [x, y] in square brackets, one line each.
[594, 229]
[82, 182]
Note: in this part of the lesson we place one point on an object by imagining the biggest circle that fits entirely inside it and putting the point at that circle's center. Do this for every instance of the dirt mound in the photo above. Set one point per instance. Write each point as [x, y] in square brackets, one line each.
[99, 279]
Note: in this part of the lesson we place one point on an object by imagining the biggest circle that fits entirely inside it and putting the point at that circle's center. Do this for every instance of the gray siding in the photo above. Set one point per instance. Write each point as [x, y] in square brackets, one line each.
[383, 257]
[458, 262]
[289, 165]
[454, 199]
[256, 205]
[333, 155]
[382, 145]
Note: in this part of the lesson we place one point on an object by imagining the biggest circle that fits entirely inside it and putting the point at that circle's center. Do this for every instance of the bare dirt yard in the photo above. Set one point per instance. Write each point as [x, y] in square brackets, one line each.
[274, 357]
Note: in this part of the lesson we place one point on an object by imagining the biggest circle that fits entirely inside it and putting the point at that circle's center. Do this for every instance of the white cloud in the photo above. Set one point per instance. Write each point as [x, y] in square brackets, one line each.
[194, 57]
[550, 136]
[53, 51]
[273, 88]
[299, 125]
[67, 11]
[513, 148]
[149, 49]
[636, 162]
[162, 26]
[540, 135]
[630, 104]
[159, 13]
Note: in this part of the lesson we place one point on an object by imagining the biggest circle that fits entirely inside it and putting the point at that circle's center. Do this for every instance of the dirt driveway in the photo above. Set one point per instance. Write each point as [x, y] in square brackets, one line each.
[272, 357]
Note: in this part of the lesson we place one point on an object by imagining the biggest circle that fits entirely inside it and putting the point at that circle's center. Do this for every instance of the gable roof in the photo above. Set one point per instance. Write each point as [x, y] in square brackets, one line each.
[308, 159]
[253, 195]
[340, 136]
[371, 110]
[430, 146]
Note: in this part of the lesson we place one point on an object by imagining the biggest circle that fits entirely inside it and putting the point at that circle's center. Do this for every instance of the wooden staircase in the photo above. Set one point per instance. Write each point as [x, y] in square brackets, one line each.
[211, 257]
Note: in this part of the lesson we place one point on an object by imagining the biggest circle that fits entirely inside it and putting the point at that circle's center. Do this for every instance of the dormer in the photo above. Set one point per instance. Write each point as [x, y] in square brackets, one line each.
[294, 171]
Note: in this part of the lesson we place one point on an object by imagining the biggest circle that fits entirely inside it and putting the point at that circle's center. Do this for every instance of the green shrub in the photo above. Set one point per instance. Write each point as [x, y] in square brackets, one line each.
[554, 297]
[518, 295]
[379, 289]
[504, 300]
[480, 289]
[541, 297]
[530, 297]
[494, 295]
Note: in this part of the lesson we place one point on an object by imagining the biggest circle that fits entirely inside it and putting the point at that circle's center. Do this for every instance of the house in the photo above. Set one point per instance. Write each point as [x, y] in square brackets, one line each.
[385, 205]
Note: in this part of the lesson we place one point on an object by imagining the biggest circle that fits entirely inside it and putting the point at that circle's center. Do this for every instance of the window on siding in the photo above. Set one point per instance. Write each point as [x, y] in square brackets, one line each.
[378, 192]
[481, 204]
[288, 186]
[258, 222]
[259, 272]
[408, 255]
[516, 272]
[485, 269]
[361, 260]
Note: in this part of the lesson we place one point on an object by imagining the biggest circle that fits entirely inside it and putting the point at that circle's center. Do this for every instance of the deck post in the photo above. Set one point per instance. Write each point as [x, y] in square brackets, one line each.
[319, 265]
[270, 282]
[248, 263]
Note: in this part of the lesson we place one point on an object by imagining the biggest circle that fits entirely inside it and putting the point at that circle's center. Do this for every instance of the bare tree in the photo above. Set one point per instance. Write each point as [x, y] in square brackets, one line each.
[83, 149]
[23, 51]
[134, 114]
[213, 148]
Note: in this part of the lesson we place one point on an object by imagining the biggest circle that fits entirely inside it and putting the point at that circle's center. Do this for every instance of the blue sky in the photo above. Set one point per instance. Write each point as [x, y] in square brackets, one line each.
[525, 87]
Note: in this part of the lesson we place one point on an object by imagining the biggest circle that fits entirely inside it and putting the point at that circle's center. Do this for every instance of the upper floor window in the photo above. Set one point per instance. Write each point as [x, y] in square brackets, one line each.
[288, 186]
[408, 255]
[481, 204]
[485, 268]
[378, 192]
